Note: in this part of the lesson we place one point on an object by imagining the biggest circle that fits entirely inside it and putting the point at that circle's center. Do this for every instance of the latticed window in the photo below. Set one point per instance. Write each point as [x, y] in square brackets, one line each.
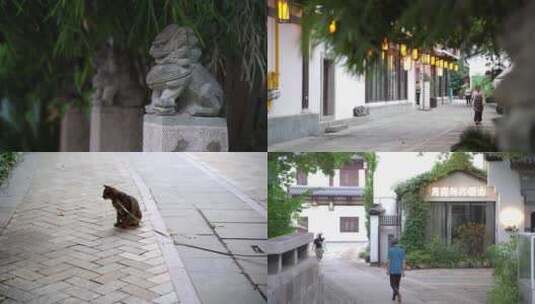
[349, 174]
[349, 224]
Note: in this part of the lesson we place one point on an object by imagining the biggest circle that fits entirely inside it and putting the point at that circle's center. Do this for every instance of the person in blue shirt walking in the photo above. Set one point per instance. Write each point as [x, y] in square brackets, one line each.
[395, 268]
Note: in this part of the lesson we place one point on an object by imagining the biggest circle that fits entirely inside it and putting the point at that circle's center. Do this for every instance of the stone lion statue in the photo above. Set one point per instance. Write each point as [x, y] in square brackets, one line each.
[178, 76]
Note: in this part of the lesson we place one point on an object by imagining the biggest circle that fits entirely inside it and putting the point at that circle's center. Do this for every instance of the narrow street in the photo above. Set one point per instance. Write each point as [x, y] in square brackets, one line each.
[397, 128]
[359, 283]
[58, 243]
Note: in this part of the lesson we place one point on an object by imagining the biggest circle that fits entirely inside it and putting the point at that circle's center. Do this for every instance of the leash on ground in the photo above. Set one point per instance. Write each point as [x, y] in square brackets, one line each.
[210, 250]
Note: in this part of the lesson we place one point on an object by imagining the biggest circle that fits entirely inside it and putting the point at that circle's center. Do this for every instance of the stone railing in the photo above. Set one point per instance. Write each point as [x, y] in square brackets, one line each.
[293, 275]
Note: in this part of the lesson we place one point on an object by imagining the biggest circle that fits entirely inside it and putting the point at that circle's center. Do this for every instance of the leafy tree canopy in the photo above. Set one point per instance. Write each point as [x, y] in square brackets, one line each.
[363, 25]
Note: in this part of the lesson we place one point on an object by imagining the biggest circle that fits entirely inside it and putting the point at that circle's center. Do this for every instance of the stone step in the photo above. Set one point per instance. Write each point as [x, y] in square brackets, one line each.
[335, 128]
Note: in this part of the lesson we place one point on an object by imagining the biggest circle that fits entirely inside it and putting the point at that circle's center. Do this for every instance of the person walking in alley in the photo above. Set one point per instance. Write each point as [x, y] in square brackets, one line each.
[395, 268]
[478, 99]
[318, 246]
[468, 96]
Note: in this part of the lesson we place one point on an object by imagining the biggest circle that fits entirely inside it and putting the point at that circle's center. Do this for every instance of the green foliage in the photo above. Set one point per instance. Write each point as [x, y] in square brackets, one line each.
[504, 259]
[470, 238]
[457, 80]
[435, 254]
[416, 210]
[362, 25]
[47, 47]
[485, 83]
[7, 161]
[475, 140]
[371, 160]
[281, 173]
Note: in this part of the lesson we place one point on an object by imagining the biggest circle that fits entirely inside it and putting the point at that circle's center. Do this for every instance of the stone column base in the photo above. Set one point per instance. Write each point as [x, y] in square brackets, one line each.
[116, 129]
[184, 133]
[74, 131]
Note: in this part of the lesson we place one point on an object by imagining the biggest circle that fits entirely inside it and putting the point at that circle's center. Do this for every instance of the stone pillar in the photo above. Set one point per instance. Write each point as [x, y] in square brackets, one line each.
[374, 239]
[116, 128]
[74, 131]
[184, 133]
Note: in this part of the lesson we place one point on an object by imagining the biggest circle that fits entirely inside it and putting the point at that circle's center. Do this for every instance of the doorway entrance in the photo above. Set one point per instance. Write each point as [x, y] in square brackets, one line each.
[327, 109]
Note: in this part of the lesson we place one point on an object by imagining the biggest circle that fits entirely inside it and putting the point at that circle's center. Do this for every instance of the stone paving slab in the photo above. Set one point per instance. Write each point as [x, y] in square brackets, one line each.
[203, 216]
[61, 247]
[398, 128]
[365, 284]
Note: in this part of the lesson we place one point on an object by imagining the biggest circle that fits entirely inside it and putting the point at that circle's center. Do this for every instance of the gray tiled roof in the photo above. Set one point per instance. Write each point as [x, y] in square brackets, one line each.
[327, 191]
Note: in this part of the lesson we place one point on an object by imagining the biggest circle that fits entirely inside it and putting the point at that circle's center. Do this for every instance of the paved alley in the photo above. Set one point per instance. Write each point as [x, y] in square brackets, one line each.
[58, 243]
[360, 283]
[397, 128]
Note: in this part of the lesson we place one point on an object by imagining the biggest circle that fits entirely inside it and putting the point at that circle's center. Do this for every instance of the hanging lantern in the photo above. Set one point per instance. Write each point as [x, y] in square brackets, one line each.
[456, 67]
[332, 27]
[451, 66]
[283, 11]
[439, 71]
[384, 46]
[403, 50]
[415, 54]
[433, 60]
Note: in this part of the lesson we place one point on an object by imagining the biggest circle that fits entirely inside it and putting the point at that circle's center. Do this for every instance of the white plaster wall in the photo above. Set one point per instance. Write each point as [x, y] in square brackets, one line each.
[349, 91]
[271, 43]
[321, 220]
[510, 201]
[315, 72]
[291, 65]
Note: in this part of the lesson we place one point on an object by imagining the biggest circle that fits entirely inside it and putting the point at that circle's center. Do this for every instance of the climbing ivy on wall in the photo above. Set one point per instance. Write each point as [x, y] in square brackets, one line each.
[409, 193]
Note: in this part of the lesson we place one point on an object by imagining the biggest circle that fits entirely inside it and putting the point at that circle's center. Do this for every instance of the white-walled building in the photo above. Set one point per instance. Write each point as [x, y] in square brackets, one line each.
[334, 204]
[514, 181]
[308, 93]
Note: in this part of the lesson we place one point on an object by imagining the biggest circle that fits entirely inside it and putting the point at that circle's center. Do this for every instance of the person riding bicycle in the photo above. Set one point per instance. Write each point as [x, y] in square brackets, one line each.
[318, 245]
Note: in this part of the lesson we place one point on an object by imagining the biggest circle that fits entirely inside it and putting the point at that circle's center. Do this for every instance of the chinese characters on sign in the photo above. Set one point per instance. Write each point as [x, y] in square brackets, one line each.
[458, 191]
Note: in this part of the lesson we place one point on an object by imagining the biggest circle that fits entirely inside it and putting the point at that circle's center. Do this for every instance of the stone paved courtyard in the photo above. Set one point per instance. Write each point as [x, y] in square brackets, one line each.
[397, 129]
[58, 243]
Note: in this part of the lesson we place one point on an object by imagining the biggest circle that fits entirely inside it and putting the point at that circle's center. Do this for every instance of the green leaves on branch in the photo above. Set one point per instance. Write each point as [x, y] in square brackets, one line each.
[362, 25]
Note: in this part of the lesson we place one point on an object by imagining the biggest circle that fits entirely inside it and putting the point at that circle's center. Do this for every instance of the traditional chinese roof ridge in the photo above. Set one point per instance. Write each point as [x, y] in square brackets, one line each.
[327, 191]
[477, 175]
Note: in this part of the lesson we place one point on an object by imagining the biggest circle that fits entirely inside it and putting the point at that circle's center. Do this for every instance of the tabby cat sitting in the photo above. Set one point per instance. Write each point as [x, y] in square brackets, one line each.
[128, 212]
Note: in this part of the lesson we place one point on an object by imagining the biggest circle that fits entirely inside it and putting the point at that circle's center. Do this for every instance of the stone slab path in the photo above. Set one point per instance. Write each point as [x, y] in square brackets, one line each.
[355, 282]
[60, 246]
[397, 128]
[200, 208]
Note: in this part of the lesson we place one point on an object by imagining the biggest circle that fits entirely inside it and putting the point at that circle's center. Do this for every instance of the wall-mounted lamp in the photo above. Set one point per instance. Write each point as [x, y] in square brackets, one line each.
[511, 218]
[415, 54]
[384, 46]
[403, 50]
[283, 11]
